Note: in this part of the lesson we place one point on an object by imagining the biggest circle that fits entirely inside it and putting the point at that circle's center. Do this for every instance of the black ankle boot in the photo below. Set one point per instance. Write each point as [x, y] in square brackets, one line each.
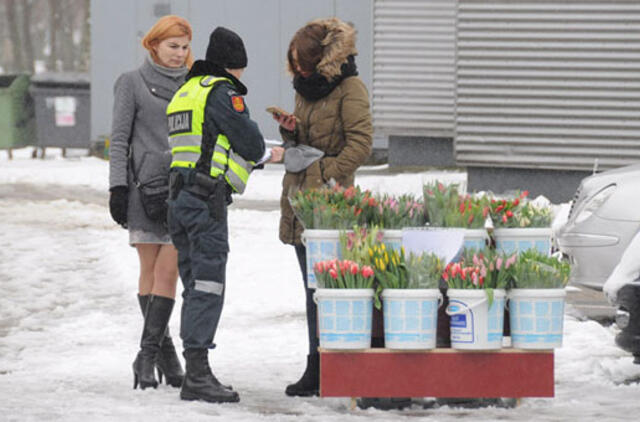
[155, 323]
[167, 362]
[200, 383]
[309, 384]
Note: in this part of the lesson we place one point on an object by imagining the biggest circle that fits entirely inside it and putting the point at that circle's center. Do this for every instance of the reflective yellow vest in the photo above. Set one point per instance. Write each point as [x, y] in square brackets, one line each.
[186, 118]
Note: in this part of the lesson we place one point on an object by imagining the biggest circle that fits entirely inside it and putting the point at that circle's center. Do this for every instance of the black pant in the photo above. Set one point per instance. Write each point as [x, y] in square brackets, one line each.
[312, 308]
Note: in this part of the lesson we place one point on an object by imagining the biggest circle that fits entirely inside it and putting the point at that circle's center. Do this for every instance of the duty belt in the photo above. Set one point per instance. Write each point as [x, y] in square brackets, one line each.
[196, 183]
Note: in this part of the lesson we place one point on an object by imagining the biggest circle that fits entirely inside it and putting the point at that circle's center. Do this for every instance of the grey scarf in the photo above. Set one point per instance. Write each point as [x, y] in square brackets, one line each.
[162, 81]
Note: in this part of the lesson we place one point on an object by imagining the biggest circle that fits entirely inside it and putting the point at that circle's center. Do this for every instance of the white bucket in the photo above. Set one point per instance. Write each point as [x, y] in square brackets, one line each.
[510, 240]
[392, 238]
[321, 245]
[410, 318]
[536, 317]
[475, 238]
[344, 318]
[475, 325]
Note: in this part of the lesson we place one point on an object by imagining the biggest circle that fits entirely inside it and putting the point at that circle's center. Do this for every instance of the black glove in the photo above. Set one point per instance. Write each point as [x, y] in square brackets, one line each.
[118, 204]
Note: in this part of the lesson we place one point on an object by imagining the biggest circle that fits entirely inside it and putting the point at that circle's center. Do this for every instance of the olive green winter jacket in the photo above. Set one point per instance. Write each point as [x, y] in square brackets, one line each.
[338, 124]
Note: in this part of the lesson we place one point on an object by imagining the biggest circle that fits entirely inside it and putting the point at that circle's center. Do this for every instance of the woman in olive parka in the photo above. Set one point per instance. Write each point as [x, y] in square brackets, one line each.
[331, 114]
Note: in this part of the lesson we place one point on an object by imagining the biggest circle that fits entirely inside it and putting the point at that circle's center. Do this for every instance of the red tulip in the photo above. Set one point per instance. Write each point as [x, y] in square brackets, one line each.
[333, 273]
[509, 213]
[354, 268]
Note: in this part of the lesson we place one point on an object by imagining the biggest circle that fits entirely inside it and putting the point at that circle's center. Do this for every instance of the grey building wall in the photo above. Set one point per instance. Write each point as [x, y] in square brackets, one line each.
[266, 26]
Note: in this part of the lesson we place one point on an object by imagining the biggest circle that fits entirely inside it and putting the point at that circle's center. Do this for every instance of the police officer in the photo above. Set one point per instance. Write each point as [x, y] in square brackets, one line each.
[214, 145]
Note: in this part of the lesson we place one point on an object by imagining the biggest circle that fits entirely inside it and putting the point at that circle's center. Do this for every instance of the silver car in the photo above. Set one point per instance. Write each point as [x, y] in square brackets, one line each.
[603, 221]
[604, 217]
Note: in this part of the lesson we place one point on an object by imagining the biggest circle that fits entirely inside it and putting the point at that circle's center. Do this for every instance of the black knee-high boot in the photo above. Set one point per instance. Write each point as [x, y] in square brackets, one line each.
[155, 323]
[309, 383]
[167, 362]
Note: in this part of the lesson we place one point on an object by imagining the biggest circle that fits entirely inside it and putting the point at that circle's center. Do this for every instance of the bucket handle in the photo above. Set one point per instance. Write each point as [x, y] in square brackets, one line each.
[303, 240]
[463, 310]
[440, 299]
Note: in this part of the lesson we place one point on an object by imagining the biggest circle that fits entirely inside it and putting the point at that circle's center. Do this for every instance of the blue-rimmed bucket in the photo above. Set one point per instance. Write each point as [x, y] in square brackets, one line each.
[344, 318]
[410, 318]
[511, 240]
[321, 245]
[536, 317]
[392, 238]
[475, 239]
[474, 324]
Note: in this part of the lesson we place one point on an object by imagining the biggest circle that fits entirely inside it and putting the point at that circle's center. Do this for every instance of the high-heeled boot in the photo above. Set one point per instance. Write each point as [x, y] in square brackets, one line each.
[167, 362]
[309, 383]
[155, 323]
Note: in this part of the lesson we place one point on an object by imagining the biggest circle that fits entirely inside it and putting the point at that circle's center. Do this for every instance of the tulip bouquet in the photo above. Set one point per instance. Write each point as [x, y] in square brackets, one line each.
[389, 266]
[446, 207]
[531, 215]
[330, 207]
[355, 245]
[484, 269]
[496, 268]
[343, 274]
[519, 212]
[424, 271]
[395, 213]
[534, 270]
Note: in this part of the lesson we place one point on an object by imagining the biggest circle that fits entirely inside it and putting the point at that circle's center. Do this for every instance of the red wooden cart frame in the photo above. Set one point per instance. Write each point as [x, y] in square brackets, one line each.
[381, 372]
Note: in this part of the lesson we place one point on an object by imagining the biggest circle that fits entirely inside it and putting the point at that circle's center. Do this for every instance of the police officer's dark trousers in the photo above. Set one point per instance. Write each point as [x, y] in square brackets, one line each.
[201, 237]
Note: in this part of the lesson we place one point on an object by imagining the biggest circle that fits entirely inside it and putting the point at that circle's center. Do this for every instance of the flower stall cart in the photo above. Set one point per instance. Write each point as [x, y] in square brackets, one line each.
[423, 371]
[398, 352]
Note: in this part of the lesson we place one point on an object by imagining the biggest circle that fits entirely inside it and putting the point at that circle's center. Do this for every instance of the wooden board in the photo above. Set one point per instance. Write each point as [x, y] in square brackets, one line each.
[437, 373]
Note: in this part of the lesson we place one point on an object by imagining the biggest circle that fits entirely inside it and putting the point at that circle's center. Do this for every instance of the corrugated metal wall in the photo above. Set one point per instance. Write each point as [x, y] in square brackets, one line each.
[413, 77]
[547, 84]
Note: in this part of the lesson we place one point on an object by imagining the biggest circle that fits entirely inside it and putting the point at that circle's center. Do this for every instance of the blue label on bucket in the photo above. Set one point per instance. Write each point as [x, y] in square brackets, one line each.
[462, 324]
[459, 321]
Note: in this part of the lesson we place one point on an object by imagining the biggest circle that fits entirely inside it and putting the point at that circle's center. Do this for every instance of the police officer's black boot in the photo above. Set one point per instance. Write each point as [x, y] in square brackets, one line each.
[167, 362]
[200, 383]
[309, 384]
[629, 305]
[155, 323]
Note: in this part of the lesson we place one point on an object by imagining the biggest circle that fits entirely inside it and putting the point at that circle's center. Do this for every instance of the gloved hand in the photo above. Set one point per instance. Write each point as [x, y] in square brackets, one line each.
[118, 204]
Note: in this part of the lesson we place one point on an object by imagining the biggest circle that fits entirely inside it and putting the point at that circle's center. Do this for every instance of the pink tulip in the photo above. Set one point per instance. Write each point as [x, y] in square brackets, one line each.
[367, 271]
[333, 273]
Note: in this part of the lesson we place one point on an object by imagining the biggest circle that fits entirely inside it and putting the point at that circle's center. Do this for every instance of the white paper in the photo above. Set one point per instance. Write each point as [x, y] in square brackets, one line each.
[265, 157]
[444, 242]
[273, 142]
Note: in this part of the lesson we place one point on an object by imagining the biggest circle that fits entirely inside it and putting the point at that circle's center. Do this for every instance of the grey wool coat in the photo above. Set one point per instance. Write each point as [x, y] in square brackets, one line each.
[140, 126]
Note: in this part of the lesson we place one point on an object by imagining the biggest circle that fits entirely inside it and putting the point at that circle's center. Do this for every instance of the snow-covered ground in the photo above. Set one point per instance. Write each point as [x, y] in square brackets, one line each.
[70, 323]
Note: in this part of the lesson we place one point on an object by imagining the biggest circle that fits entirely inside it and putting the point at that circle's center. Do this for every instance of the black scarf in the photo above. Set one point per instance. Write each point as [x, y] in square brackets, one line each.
[203, 67]
[317, 86]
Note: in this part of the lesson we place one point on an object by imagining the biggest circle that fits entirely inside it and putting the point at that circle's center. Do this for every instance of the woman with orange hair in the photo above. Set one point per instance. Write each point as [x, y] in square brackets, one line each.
[140, 158]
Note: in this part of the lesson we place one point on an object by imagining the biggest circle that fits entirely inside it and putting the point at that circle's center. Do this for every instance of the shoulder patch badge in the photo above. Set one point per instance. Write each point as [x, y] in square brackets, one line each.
[238, 103]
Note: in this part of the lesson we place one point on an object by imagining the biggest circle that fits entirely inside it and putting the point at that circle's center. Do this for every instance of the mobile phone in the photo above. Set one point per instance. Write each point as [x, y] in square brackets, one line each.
[277, 111]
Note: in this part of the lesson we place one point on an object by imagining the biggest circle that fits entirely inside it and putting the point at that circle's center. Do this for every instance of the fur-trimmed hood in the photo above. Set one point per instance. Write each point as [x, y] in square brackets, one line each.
[339, 44]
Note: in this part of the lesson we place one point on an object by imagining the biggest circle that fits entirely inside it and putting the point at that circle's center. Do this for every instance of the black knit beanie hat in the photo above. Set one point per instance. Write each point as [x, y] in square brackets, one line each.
[226, 49]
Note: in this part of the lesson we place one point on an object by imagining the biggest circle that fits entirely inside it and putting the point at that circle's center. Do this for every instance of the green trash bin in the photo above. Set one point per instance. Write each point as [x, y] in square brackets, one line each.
[17, 122]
